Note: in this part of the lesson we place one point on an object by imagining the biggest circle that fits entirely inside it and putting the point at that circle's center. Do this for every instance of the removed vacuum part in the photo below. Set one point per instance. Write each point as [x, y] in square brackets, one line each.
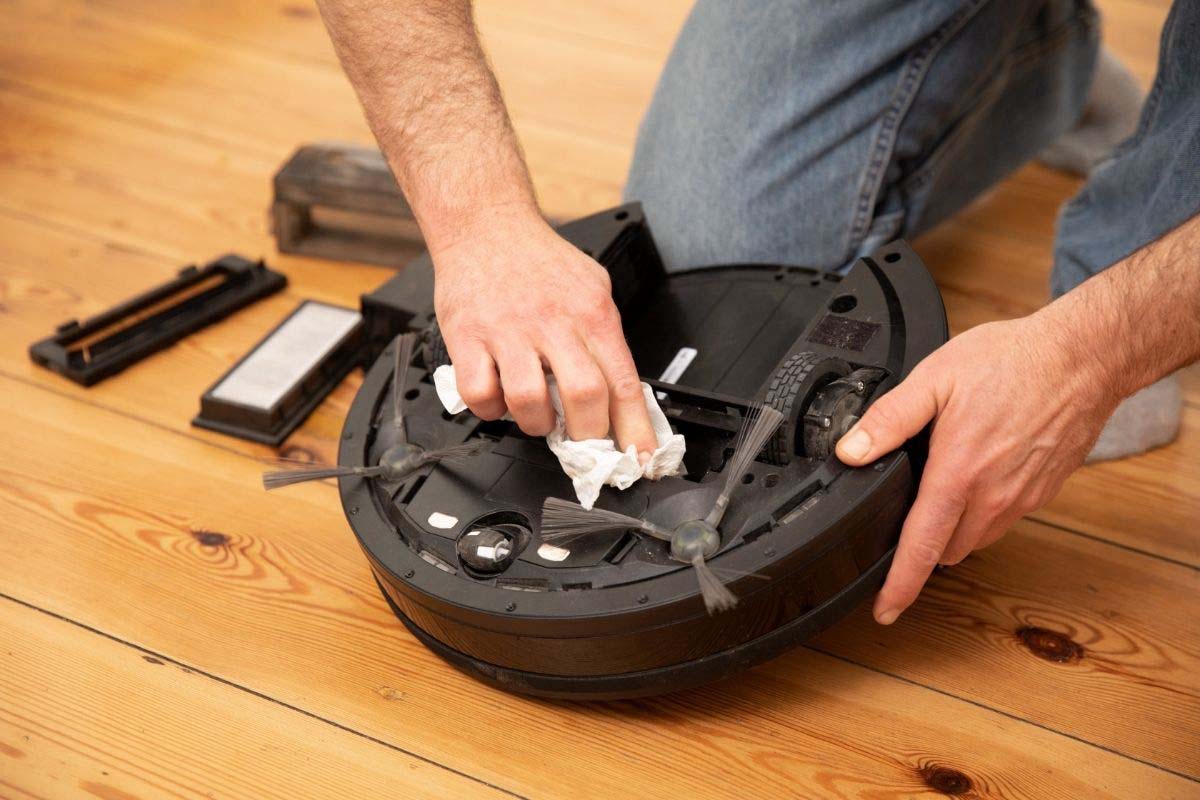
[340, 201]
[90, 351]
[465, 549]
[273, 388]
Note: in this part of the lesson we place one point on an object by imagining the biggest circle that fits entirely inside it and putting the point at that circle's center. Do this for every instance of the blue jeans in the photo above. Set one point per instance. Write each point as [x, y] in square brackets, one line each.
[808, 132]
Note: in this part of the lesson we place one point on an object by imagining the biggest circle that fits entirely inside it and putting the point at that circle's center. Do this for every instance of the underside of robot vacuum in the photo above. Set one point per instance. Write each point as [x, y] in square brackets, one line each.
[471, 529]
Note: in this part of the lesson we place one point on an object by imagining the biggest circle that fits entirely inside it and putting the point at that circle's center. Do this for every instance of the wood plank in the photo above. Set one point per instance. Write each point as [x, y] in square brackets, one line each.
[1131, 30]
[233, 95]
[1150, 503]
[1071, 632]
[115, 722]
[118, 521]
[294, 30]
[256, 581]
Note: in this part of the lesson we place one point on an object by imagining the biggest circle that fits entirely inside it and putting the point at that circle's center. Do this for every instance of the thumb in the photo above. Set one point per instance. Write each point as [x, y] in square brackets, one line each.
[891, 421]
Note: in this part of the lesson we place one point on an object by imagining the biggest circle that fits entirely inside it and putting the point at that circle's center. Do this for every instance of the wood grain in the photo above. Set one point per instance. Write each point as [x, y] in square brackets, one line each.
[139, 137]
[1072, 633]
[82, 727]
[256, 581]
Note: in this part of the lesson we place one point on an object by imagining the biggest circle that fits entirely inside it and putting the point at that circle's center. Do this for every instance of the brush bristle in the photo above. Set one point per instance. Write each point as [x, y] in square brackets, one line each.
[760, 424]
[563, 519]
[455, 452]
[716, 595]
[405, 343]
[286, 477]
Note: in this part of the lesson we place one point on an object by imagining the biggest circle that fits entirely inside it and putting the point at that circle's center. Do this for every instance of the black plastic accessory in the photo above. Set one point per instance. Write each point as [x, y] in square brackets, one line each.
[340, 201]
[104, 345]
[274, 387]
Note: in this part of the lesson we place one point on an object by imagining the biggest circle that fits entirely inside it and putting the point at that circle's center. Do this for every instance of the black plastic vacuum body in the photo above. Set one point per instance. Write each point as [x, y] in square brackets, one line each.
[611, 615]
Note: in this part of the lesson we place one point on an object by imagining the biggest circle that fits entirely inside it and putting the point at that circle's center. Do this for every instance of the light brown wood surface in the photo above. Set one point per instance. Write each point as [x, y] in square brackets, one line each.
[1064, 662]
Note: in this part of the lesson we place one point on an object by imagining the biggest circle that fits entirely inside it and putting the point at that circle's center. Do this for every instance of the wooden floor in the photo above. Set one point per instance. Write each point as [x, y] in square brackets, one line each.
[167, 629]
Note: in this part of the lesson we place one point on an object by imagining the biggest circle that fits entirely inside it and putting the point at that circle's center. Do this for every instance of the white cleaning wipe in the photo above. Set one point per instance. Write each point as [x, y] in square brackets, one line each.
[591, 463]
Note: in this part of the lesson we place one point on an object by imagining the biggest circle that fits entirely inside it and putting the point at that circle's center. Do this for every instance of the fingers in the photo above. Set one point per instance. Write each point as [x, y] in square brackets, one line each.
[930, 524]
[982, 524]
[478, 381]
[525, 391]
[626, 403]
[976, 522]
[581, 387]
[890, 421]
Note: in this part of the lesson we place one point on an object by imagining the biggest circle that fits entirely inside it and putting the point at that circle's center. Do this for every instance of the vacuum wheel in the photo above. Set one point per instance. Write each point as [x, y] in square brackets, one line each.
[791, 390]
[434, 348]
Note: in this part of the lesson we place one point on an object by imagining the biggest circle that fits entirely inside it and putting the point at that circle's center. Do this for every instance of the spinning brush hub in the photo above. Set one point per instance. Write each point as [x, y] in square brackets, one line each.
[474, 535]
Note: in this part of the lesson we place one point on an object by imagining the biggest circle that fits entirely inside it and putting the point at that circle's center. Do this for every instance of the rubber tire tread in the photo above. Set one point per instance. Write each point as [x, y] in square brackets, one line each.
[781, 395]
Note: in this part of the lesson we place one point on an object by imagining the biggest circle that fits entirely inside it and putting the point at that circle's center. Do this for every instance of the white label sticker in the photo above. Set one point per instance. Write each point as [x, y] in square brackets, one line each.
[299, 344]
[675, 369]
[553, 553]
[678, 365]
[444, 521]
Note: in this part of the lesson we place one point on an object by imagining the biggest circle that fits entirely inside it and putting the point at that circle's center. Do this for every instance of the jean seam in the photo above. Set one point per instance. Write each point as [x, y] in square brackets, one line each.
[1150, 106]
[1016, 61]
[908, 85]
[922, 174]
[1146, 118]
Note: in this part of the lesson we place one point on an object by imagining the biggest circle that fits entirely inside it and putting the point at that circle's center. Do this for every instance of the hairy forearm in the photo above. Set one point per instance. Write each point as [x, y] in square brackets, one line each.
[1140, 319]
[435, 109]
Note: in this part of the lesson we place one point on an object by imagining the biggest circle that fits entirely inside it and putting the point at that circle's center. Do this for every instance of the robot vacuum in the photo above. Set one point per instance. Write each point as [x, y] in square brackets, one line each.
[472, 530]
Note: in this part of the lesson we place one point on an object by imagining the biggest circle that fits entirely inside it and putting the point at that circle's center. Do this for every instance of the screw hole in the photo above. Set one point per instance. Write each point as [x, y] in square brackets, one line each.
[412, 394]
[771, 480]
[748, 478]
[778, 276]
[892, 258]
[843, 303]
[622, 215]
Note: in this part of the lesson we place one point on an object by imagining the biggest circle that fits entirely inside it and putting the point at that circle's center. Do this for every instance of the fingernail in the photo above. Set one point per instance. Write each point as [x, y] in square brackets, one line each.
[887, 617]
[855, 444]
[643, 458]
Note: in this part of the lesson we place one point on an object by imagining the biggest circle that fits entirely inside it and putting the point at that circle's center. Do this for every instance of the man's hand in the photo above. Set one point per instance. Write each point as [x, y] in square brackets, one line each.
[1014, 412]
[1017, 405]
[513, 298]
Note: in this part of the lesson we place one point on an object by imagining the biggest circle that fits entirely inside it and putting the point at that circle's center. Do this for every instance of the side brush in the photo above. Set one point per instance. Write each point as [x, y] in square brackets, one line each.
[692, 541]
[401, 457]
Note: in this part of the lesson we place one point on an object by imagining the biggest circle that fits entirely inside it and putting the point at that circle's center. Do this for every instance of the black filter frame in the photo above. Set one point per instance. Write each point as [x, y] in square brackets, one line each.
[810, 539]
[274, 424]
[153, 320]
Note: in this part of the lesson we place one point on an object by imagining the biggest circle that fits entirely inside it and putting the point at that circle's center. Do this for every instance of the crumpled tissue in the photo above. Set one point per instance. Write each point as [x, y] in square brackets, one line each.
[591, 463]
